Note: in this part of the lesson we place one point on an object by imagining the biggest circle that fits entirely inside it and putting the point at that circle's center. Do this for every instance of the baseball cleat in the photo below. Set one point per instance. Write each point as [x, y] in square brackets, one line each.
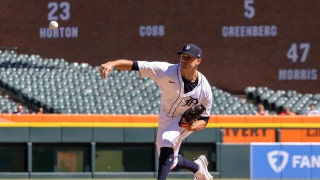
[202, 173]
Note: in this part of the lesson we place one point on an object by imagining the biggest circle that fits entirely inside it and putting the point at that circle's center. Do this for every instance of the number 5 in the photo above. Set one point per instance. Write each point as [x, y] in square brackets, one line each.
[249, 10]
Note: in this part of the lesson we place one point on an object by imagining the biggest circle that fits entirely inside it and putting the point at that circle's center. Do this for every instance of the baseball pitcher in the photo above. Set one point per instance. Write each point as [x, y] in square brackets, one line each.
[186, 102]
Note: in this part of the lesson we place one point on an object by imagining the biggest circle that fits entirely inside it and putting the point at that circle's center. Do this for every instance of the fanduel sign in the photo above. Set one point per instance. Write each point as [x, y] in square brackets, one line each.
[273, 160]
[285, 160]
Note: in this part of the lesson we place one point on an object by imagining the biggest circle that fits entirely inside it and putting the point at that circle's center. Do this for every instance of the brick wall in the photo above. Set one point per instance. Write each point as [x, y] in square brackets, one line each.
[97, 31]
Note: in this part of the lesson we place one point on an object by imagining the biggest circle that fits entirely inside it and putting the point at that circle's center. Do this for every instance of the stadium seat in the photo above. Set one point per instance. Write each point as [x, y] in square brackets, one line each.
[77, 88]
[250, 92]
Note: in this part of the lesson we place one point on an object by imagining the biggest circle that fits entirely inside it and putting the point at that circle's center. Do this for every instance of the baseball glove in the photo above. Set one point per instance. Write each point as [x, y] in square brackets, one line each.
[190, 115]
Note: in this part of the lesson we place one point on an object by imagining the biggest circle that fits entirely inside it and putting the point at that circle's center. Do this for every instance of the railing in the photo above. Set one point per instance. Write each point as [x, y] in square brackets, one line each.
[236, 128]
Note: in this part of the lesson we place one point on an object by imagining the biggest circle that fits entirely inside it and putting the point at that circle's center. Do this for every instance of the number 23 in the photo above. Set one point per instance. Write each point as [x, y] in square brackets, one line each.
[54, 7]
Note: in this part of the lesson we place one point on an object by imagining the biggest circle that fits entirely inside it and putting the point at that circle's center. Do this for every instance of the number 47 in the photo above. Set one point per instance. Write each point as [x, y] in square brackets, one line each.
[293, 52]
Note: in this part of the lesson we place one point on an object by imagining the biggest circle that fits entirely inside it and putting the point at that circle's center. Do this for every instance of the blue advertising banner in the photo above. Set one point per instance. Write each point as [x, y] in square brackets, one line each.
[285, 160]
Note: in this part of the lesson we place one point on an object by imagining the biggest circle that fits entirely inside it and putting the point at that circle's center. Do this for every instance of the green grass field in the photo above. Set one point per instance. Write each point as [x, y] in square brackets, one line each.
[116, 179]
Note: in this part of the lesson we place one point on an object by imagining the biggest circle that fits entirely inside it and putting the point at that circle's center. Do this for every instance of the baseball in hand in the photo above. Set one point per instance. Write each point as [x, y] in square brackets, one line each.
[53, 25]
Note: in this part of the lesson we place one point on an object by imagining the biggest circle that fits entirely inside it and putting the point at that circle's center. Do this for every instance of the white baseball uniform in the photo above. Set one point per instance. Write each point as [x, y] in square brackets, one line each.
[174, 102]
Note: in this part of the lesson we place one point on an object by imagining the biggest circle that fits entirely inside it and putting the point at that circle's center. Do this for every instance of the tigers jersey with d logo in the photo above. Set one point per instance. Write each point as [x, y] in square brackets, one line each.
[174, 102]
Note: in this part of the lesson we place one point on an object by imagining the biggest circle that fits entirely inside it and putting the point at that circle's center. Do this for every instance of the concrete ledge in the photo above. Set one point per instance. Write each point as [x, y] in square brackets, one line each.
[14, 175]
[124, 175]
[89, 175]
[60, 175]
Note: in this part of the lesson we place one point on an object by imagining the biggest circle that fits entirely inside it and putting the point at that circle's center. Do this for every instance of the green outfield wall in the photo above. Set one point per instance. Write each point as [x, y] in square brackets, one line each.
[105, 152]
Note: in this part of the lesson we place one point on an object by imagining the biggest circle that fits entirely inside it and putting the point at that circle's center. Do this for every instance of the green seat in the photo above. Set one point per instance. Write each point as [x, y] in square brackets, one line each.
[250, 92]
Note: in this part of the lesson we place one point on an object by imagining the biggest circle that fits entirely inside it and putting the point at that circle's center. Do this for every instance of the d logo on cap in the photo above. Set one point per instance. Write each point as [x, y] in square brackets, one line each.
[192, 50]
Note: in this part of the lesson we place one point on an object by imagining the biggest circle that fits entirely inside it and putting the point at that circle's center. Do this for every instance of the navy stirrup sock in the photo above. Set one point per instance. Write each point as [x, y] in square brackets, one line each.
[184, 163]
[165, 162]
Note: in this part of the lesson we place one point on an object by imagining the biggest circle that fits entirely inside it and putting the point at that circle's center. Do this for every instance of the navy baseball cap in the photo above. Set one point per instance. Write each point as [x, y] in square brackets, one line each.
[192, 50]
